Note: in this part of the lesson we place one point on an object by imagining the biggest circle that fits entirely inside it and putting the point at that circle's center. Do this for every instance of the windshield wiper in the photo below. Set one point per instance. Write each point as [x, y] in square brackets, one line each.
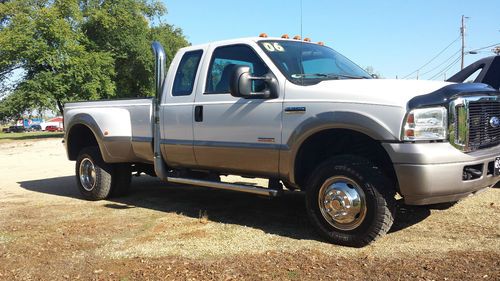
[338, 76]
[327, 75]
[304, 75]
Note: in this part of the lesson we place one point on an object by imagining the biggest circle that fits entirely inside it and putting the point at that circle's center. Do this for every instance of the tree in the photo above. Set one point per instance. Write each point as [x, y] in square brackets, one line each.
[372, 71]
[79, 50]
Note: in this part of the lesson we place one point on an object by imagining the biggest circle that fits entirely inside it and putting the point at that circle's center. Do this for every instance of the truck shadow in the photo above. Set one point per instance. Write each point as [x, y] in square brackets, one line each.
[285, 216]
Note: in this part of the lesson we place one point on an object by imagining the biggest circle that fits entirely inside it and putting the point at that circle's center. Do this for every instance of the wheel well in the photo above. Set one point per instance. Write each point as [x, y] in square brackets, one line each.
[325, 144]
[79, 136]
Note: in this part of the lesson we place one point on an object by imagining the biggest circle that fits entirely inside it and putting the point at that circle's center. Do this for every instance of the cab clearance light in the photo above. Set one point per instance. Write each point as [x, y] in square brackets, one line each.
[296, 37]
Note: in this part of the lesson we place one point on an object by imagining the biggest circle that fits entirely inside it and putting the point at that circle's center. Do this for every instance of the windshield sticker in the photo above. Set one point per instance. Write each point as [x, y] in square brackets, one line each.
[273, 47]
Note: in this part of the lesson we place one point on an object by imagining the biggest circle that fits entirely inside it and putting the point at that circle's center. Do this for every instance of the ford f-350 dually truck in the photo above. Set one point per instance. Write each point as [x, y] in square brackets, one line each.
[304, 117]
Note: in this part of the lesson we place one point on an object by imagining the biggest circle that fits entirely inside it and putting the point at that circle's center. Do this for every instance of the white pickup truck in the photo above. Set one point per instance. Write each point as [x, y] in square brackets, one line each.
[304, 117]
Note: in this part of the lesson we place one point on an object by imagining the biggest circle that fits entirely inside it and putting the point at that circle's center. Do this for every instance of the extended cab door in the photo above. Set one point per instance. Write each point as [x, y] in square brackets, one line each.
[177, 109]
[236, 134]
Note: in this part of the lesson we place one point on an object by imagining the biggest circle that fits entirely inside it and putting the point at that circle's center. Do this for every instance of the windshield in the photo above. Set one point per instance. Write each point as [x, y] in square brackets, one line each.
[306, 63]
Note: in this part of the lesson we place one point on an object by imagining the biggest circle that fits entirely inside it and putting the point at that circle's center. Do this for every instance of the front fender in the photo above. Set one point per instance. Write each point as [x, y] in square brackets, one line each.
[325, 121]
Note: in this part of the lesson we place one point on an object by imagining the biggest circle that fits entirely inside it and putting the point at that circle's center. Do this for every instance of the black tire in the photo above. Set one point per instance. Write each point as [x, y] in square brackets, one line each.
[371, 221]
[99, 185]
[122, 176]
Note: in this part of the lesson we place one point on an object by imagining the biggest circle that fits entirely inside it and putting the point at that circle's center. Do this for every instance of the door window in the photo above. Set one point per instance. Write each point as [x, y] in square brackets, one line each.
[186, 73]
[225, 59]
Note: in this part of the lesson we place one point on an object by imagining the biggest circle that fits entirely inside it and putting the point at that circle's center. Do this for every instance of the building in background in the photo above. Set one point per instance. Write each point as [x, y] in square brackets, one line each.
[56, 121]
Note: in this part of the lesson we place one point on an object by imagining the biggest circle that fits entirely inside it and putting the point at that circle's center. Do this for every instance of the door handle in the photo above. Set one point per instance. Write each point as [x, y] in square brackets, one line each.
[198, 113]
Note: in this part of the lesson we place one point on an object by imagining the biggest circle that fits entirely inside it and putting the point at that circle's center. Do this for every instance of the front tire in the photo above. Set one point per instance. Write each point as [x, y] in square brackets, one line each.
[93, 175]
[349, 201]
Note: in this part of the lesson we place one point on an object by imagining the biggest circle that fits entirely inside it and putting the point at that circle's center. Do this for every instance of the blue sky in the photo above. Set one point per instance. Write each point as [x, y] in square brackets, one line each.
[394, 37]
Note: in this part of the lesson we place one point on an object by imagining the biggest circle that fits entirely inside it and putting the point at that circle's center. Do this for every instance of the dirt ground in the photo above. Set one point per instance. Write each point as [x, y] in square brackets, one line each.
[172, 232]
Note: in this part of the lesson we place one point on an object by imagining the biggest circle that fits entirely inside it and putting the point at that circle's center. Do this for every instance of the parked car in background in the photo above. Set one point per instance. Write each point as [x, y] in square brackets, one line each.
[16, 129]
[34, 128]
[52, 128]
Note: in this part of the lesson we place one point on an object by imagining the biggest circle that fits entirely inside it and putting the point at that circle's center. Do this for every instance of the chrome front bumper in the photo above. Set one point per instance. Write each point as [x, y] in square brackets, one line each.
[430, 173]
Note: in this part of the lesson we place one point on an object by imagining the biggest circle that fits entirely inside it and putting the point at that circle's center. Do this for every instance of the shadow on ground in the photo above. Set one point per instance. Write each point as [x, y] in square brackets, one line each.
[284, 216]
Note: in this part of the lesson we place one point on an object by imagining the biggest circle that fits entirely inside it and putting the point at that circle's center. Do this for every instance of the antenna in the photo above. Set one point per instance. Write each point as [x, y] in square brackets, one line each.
[301, 44]
[301, 35]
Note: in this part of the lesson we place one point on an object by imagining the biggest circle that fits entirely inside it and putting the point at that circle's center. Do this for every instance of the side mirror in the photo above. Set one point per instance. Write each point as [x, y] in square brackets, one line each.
[241, 82]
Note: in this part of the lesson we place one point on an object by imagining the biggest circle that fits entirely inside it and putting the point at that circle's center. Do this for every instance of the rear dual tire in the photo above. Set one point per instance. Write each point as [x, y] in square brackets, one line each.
[96, 179]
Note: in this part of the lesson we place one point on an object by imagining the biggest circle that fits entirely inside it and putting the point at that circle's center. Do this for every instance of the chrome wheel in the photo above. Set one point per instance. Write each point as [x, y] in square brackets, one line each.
[342, 203]
[87, 174]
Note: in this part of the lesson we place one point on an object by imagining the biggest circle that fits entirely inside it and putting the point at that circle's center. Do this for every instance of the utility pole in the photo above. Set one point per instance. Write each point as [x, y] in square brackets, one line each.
[462, 34]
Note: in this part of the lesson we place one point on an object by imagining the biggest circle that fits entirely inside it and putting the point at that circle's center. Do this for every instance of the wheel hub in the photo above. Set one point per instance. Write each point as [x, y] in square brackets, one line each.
[342, 203]
[87, 174]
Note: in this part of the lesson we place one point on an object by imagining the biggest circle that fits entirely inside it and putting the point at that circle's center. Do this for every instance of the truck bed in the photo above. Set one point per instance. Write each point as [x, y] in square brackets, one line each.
[123, 128]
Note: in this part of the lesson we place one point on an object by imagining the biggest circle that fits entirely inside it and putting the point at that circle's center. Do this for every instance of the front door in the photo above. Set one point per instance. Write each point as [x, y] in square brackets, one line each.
[236, 134]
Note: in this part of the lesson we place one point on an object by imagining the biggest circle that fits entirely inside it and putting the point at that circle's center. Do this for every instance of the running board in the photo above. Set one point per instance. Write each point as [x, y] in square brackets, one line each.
[226, 186]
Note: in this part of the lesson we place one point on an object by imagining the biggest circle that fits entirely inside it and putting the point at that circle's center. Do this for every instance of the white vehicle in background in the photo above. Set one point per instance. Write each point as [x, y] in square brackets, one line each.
[302, 116]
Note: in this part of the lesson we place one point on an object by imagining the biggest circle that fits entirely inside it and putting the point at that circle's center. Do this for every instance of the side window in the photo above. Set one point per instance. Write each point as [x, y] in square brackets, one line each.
[224, 59]
[186, 73]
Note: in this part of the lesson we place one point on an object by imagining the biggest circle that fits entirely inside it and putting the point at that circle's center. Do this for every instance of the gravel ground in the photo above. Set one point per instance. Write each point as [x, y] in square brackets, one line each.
[166, 231]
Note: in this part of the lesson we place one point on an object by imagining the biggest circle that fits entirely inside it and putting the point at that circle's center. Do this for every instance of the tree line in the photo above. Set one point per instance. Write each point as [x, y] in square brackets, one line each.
[58, 51]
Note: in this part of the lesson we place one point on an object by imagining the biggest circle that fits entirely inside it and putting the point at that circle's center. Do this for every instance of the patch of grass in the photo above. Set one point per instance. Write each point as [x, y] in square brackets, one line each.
[8, 137]
[5, 237]
[293, 275]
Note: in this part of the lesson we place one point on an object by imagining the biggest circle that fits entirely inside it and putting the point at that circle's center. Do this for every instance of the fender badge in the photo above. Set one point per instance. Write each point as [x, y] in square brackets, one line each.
[494, 122]
[269, 140]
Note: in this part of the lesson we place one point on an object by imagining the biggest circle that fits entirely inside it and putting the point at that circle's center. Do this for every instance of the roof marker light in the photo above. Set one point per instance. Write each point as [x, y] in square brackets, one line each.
[296, 37]
[263, 35]
[321, 43]
[285, 36]
[307, 39]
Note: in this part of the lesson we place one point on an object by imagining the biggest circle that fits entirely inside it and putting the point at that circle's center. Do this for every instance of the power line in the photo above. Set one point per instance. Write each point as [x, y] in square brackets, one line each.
[436, 56]
[492, 45]
[445, 61]
[446, 68]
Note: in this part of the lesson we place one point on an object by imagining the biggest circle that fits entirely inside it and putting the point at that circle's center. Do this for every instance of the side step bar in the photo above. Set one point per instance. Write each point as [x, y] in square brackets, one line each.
[227, 186]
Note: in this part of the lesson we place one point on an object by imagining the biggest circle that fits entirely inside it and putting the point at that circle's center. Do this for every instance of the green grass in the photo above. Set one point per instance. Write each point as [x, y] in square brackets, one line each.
[29, 136]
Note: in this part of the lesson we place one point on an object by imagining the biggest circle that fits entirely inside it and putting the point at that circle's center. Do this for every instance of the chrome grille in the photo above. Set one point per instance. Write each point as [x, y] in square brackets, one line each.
[470, 121]
[481, 133]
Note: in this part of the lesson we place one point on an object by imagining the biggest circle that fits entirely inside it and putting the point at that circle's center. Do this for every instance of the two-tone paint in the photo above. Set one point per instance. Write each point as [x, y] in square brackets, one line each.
[261, 137]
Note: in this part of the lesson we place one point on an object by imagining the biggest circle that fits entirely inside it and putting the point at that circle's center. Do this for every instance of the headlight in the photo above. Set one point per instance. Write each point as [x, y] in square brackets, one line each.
[425, 124]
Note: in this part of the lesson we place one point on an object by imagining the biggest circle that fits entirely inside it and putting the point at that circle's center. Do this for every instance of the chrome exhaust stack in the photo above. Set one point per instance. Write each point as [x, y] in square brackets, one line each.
[160, 75]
